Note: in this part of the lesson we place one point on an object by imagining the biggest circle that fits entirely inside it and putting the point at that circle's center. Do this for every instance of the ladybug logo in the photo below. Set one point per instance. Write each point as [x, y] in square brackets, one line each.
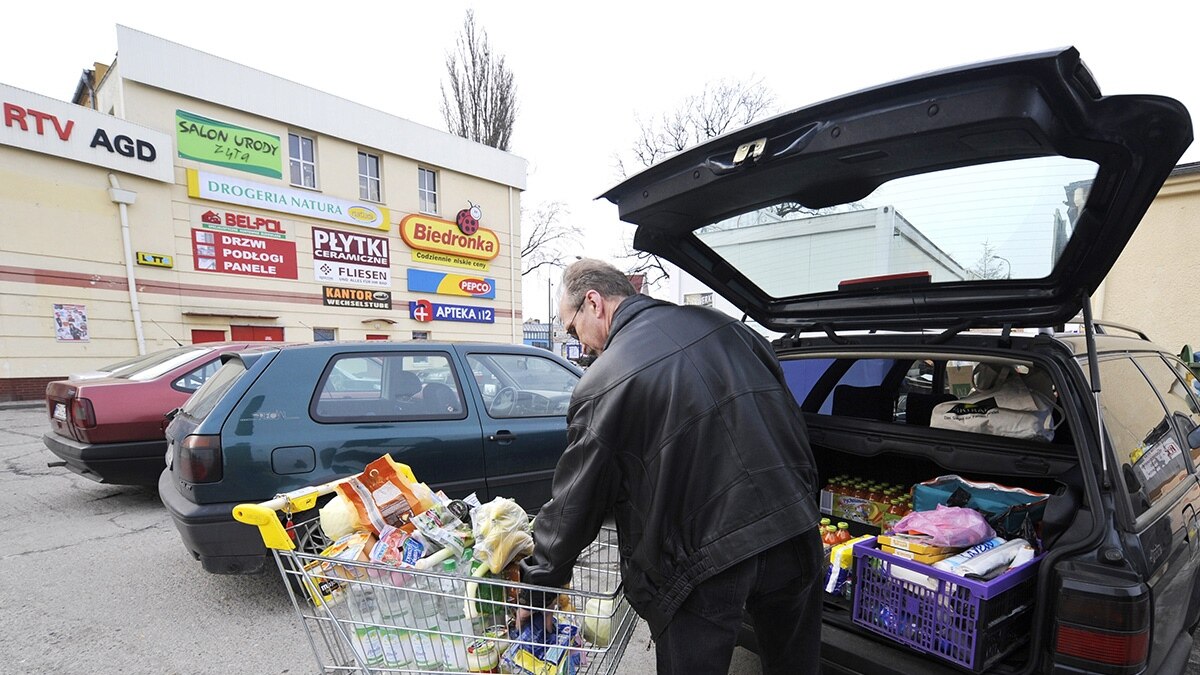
[468, 219]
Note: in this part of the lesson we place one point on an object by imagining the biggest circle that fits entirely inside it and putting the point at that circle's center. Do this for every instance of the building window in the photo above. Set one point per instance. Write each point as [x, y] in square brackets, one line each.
[324, 334]
[420, 335]
[427, 190]
[368, 177]
[304, 164]
[702, 299]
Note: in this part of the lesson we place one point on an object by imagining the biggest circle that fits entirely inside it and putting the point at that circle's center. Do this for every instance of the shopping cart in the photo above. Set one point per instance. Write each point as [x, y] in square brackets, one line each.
[363, 617]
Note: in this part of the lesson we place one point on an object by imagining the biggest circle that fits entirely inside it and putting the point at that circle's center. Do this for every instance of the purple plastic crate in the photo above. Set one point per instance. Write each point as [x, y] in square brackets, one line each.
[969, 623]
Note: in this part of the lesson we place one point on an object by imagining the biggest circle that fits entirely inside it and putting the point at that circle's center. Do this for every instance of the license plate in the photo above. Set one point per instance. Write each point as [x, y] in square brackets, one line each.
[60, 411]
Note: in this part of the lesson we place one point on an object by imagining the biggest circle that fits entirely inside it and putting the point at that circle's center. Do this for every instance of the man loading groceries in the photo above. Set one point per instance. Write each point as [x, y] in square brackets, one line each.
[685, 429]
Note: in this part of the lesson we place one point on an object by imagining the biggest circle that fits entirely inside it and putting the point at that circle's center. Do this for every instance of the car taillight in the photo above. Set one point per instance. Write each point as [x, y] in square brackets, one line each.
[83, 415]
[1104, 633]
[200, 459]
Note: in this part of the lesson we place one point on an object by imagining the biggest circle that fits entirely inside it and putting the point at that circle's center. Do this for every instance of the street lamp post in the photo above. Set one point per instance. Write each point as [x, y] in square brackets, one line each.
[1008, 269]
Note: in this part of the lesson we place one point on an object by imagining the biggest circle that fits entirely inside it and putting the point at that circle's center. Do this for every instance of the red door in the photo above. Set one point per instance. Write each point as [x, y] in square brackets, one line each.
[201, 335]
[256, 333]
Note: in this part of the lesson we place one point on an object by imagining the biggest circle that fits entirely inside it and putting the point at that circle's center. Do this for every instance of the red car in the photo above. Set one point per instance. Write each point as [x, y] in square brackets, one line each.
[108, 425]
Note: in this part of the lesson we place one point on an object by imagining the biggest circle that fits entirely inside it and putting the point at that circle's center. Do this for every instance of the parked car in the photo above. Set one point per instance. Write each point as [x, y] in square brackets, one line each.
[916, 247]
[276, 419]
[107, 425]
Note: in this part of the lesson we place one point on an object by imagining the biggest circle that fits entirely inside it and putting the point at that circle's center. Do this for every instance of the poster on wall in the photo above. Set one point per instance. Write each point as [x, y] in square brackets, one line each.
[239, 254]
[70, 323]
[351, 258]
[228, 145]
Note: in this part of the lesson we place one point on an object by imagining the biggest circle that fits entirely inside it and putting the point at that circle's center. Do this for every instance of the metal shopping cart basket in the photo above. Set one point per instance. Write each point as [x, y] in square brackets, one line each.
[363, 617]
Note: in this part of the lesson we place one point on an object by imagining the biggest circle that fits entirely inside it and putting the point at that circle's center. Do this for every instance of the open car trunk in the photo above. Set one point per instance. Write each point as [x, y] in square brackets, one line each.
[871, 417]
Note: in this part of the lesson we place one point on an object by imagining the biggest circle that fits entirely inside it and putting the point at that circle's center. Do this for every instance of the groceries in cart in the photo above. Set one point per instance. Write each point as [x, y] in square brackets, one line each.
[408, 580]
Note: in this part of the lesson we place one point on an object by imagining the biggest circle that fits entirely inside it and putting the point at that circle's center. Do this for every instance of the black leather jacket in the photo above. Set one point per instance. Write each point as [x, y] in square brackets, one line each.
[685, 428]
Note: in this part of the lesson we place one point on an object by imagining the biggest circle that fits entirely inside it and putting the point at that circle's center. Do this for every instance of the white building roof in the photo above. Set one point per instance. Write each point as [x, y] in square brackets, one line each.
[166, 65]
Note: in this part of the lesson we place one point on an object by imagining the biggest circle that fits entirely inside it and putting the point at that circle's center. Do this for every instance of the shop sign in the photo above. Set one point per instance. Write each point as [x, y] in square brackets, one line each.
[422, 281]
[155, 259]
[360, 298]
[442, 236]
[230, 190]
[228, 145]
[424, 310]
[351, 258]
[239, 254]
[236, 222]
[41, 124]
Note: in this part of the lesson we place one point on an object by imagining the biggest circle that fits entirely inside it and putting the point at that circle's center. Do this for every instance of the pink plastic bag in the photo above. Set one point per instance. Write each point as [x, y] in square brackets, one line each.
[948, 525]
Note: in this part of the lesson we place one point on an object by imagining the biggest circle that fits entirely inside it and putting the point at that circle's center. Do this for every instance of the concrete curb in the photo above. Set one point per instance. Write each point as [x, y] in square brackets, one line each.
[21, 405]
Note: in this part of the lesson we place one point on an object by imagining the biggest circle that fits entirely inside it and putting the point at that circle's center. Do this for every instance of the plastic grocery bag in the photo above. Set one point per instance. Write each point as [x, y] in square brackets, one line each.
[1004, 403]
[386, 493]
[948, 526]
[501, 529]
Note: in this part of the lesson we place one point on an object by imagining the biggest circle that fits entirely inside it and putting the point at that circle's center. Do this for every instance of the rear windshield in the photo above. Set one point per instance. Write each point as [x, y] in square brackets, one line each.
[1005, 220]
[147, 361]
[155, 365]
[205, 399]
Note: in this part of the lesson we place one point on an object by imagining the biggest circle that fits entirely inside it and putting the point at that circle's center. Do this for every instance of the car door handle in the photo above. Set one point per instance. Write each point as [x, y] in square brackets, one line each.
[503, 437]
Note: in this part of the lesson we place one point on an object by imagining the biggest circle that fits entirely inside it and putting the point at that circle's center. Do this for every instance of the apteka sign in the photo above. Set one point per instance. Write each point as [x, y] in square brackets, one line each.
[41, 124]
[424, 310]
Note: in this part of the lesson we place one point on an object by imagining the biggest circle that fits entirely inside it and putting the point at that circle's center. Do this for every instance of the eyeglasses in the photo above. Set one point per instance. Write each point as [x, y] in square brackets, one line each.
[570, 328]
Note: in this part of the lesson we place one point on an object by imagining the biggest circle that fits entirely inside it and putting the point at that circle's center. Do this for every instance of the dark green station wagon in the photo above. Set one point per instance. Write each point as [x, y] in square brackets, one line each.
[482, 418]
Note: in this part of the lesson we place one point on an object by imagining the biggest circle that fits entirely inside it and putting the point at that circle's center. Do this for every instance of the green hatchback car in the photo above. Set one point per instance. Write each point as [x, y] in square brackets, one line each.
[482, 418]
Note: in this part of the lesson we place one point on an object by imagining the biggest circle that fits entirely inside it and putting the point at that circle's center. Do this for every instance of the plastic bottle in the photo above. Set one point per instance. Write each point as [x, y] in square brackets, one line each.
[426, 646]
[452, 618]
[843, 532]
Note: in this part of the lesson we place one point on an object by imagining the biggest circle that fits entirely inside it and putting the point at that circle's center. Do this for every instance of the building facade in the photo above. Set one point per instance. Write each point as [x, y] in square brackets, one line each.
[183, 197]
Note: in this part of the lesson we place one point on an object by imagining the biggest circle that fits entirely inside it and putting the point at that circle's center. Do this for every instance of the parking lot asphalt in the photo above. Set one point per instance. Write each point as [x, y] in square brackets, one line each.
[97, 581]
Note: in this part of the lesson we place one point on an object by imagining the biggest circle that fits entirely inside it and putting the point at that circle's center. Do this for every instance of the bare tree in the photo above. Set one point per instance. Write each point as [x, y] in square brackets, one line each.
[989, 265]
[482, 101]
[722, 106]
[545, 235]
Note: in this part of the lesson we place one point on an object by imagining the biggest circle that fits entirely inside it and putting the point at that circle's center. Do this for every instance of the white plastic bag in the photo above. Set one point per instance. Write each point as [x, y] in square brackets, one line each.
[1002, 405]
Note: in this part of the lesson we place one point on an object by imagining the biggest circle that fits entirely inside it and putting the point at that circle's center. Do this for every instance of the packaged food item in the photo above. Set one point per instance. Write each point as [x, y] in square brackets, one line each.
[841, 567]
[531, 658]
[993, 563]
[925, 558]
[386, 493]
[325, 574]
[952, 563]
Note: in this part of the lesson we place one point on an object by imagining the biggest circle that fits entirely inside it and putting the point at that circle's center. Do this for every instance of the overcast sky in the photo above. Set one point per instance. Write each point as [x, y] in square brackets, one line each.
[583, 70]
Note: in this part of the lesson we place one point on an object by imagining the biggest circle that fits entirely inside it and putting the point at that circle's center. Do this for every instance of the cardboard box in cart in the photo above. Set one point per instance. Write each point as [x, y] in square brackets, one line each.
[960, 379]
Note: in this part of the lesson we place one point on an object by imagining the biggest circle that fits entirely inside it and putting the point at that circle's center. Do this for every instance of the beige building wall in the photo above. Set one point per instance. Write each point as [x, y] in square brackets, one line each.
[62, 236]
[1153, 286]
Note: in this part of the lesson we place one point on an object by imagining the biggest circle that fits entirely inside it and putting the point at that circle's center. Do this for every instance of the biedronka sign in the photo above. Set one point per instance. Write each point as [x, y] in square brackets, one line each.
[442, 242]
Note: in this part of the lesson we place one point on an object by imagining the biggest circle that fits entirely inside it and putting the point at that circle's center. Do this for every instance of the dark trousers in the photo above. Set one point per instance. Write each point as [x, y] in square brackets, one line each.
[780, 588]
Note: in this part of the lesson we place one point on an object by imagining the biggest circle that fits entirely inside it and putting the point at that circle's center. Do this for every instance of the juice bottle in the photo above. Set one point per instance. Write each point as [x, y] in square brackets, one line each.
[830, 536]
[843, 532]
[825, 522]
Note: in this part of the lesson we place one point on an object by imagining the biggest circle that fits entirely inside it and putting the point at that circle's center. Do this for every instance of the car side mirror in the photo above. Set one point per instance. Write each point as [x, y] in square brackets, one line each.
[1194, 438]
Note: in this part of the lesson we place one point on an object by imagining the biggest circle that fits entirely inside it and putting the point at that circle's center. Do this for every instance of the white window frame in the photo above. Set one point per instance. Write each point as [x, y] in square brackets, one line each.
[299, 161]
[366, 180]
[427, 195]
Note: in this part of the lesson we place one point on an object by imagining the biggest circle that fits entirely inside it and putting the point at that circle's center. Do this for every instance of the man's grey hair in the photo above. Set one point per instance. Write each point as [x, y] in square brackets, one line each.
[590, 274]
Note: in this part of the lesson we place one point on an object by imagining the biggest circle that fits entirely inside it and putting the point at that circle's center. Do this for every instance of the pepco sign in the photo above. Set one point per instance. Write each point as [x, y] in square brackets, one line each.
[423, 281]
[42, 124]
